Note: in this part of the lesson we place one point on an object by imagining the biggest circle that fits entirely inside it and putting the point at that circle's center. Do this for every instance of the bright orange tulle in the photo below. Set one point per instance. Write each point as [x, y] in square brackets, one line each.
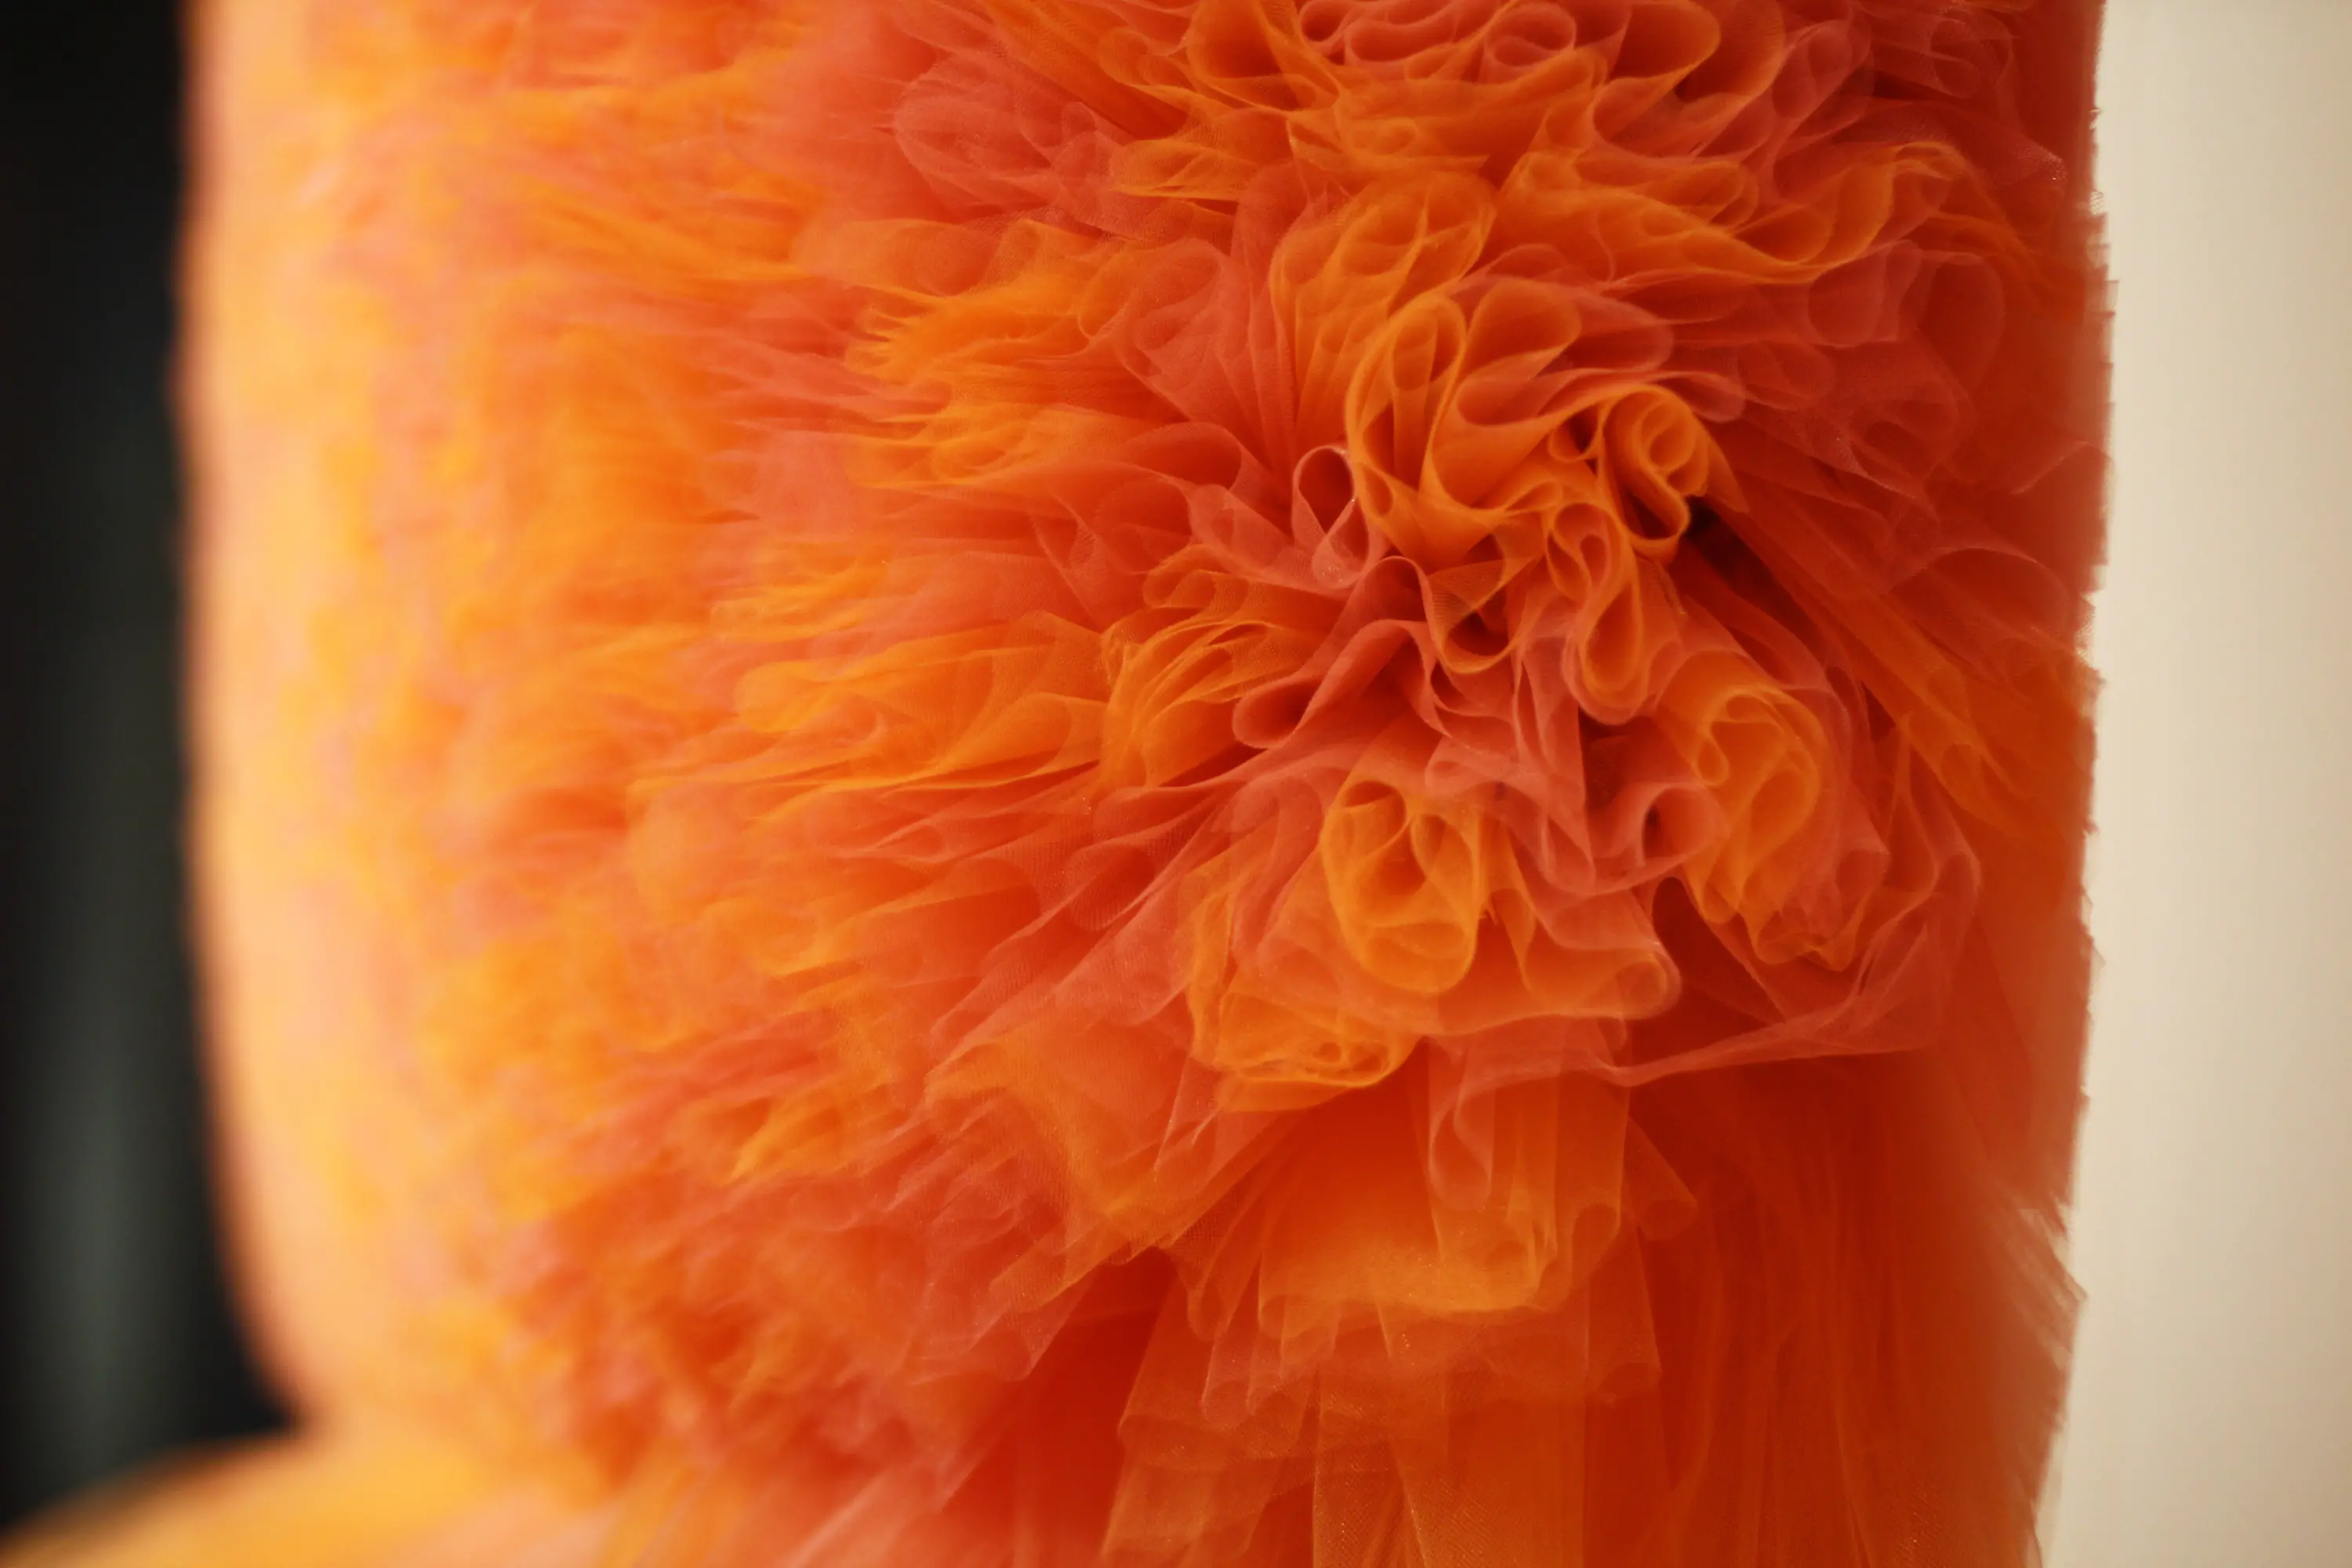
[1148, 782]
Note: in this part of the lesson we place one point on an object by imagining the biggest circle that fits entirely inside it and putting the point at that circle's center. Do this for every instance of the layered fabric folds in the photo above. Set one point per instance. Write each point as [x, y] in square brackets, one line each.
[1208, 783]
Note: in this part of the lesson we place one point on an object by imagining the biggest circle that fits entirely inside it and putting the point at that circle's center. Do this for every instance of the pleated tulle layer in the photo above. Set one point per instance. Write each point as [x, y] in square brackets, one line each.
[1174, 782]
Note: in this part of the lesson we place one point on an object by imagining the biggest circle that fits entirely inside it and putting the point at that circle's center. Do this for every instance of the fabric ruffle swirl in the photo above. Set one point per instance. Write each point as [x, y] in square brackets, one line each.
[1203, 782]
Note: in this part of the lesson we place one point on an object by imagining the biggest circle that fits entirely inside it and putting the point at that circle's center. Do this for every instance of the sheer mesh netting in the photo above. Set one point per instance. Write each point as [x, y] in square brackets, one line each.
[1177, 782]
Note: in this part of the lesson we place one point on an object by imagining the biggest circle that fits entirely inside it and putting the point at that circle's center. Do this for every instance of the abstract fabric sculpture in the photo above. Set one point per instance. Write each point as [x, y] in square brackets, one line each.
[1227, 783]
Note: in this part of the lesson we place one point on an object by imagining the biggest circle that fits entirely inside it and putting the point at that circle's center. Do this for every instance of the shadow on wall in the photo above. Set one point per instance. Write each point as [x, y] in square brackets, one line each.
[116, 1341]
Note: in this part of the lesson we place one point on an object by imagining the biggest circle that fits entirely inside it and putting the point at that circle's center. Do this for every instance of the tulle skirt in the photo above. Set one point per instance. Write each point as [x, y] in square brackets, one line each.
[1209, 782]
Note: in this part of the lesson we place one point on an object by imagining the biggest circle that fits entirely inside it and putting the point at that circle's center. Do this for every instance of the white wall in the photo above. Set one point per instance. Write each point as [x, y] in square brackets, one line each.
[2211, 1421]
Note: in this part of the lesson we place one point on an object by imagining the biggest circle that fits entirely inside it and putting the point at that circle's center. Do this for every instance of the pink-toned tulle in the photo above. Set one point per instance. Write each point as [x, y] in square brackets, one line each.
[1196, 782]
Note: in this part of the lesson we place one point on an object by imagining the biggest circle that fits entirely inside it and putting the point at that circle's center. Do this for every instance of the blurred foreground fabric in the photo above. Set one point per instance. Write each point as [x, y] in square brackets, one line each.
[1190, 782]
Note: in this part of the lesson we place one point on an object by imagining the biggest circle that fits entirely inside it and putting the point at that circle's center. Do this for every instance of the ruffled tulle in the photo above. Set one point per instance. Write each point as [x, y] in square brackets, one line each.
[1190, 782]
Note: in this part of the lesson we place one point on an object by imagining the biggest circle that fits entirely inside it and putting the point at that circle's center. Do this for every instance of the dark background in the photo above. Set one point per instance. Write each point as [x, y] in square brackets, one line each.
[116, 1339]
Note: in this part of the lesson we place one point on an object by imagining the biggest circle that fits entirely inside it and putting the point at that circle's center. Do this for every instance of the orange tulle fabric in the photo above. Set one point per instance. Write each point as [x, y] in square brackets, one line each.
[1211, 783]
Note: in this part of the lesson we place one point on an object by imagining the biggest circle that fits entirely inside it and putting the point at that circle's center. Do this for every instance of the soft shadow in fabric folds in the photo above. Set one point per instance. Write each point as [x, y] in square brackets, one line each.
[1142, 782]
